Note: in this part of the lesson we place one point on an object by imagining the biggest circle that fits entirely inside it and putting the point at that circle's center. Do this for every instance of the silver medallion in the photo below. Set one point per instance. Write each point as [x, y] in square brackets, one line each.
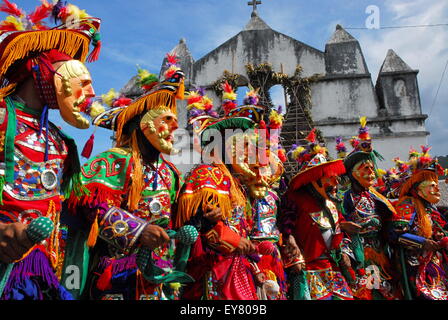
[49, 179]
[120, 228]
[155, 207]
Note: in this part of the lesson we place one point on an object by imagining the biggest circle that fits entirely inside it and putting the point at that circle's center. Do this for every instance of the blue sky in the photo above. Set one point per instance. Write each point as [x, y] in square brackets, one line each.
[143, 32]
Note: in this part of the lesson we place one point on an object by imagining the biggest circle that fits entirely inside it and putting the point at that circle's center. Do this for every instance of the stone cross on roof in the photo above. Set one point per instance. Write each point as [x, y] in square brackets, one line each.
[254, 3]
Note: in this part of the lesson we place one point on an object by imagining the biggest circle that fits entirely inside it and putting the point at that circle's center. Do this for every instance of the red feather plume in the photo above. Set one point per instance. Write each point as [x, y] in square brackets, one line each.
[425, 149]
[227, 87]
[122, 102]
[11, 8]
[312, 136]
[194, 99]
[172, 58]
[228, 106]
[40, 13]
[7, 26]
[282, 155]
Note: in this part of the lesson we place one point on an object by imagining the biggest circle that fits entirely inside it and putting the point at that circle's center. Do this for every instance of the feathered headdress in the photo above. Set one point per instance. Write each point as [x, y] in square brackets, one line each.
[341, 149]
[26, 35]
[420, 167]
[228, 98]
[235, 117]
[251, 97]
[313, 162]
[363, 142]
[362, 148]
[146, 80]
[163, 94]
[28, 47]
[199, 104]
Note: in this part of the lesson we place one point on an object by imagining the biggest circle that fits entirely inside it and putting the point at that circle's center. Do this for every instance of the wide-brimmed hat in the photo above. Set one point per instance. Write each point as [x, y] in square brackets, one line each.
[26, 36]
[420, 167]
[314, 163]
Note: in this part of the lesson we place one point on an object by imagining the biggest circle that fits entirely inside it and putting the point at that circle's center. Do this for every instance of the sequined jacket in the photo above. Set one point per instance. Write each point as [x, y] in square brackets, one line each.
[36, 188]
[107, 177]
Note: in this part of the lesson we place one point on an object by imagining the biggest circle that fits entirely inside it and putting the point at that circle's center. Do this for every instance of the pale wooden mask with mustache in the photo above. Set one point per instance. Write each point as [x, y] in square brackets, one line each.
[73, 85]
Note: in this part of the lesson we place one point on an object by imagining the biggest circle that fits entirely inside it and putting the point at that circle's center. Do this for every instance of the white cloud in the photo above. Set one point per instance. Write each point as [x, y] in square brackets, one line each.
[424, 49]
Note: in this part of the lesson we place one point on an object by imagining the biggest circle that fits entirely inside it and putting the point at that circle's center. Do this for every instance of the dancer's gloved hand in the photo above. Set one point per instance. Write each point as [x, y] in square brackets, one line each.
[246, 247]
[212, 214]
[350, 227]
[260, 278]
[14, 242]
[290, 252]
[345, 261]
[153, 237]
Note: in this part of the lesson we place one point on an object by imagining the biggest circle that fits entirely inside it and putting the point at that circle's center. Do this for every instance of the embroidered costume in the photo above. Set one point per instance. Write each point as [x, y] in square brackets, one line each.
[220, 272]
[130, 187]
[418, 222]
[39, 164]
[363, 205]
[272, 284]
[314, 221]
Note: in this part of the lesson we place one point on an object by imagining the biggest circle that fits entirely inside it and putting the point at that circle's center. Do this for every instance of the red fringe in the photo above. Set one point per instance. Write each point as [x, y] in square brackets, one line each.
[98, 193]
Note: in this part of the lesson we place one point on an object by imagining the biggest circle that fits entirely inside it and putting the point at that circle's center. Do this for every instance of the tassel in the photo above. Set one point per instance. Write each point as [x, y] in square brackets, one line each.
[180, 94]
[88, 147]
[94, 55]
[103, 282]
[93, 235]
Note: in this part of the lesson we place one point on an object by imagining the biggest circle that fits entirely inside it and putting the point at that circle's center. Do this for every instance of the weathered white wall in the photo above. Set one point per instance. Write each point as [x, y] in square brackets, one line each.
[343, 99]
[258, 47]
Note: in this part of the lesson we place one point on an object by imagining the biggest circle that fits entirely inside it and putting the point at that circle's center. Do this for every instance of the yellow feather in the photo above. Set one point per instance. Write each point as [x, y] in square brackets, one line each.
[83, 14]
[229, 96]
[274, 116]
[109, 97]
[207, 100]
[17, 23]
[295, 154]
[143, 73]
[363, 121]
[96, 109]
